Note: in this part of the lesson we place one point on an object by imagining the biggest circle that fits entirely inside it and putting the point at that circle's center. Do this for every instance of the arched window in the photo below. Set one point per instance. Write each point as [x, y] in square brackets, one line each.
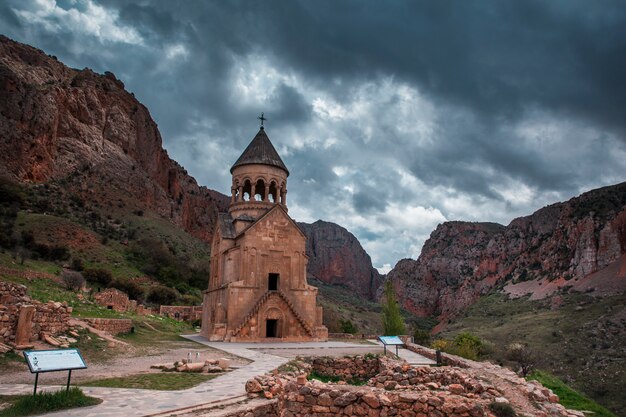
[273, 195]
[259, 192]
[247, 190]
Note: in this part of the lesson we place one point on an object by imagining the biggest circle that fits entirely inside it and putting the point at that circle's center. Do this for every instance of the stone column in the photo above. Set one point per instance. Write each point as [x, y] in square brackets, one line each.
[24, 325]
[233, 195]
[267, 193]
[240, 195]
[283, 198]
[253, 192]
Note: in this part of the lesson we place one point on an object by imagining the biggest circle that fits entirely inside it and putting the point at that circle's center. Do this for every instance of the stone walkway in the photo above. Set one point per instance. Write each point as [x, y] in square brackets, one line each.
[408, 355]
[138, 402]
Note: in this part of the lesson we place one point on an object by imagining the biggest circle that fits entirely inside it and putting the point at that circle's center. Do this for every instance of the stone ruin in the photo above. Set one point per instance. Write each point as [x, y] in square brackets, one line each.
[23, 320]
[395, 388]
[181, 313]
[116, 300]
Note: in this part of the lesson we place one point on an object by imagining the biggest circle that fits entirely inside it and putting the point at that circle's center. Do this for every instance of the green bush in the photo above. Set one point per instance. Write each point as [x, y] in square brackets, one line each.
[421, 337]
[162, 295]
[131, 288]
[98, 276]
[348, 327]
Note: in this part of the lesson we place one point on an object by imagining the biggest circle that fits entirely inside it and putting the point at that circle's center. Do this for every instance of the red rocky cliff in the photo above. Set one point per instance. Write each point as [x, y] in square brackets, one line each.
[56, 121]
[580, 243]
[336, 257]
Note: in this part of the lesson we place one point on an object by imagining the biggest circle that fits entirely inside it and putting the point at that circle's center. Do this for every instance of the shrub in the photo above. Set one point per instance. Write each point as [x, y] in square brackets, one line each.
[131, 288]
[348, 327]
[523, 356]
[502, 409]
[162, 295]
[98, 276]
[421, 337]
[73, 280]
[441, 344]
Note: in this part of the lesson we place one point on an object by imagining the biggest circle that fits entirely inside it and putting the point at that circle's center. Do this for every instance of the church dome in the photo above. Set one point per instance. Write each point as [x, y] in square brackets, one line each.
[260, 151]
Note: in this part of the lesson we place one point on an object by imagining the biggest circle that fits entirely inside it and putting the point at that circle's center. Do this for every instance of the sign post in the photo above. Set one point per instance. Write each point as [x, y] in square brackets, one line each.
[40, 361]
[391, 341]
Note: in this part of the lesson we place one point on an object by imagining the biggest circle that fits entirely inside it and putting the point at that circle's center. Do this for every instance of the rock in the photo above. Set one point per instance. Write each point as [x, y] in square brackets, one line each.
[390, 385]
[213, 369]
[345, 399]
[224, 363]
[252, 385]
[51, 340]
[456, 389]
[337, 257]
[194, 367]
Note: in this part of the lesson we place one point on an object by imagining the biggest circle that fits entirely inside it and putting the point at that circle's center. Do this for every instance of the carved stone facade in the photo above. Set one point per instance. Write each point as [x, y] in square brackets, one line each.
[257, 287]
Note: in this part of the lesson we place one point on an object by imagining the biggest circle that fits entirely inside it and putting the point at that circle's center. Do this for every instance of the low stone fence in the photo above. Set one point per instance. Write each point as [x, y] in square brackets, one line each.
[446, 358]
[346, 368]
[317, 397]
[112, 326]
[181, 313]
[23, 319]
[351, 336]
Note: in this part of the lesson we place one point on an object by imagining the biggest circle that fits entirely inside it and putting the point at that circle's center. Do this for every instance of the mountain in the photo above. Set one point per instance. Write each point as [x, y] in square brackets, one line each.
[336, 257]
[60, 123]
[579, 244]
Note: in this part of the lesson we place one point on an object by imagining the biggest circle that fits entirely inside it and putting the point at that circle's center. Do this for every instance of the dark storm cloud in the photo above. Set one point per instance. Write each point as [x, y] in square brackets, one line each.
[506, 94]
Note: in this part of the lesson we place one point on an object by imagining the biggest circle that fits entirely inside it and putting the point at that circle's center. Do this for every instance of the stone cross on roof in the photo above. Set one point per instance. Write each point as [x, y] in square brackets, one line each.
[262, 119]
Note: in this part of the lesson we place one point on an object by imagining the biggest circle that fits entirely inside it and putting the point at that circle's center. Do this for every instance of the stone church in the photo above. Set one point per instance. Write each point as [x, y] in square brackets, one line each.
[257, 285]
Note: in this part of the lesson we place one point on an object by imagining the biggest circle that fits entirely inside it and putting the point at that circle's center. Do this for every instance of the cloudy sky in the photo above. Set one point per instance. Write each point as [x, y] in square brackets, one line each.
[391, 116]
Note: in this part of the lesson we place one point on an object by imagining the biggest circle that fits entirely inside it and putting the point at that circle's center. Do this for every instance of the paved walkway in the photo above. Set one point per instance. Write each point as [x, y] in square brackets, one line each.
[408, 355]
[137, 402]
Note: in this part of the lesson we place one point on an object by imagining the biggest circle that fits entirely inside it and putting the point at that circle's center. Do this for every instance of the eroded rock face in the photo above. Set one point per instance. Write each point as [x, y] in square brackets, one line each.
[56, 121]
[336, 257]
[566, 241]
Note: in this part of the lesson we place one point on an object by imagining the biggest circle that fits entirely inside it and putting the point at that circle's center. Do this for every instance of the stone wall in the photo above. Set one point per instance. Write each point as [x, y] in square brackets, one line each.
[181, 313]
[113, 326]
[347, 368]
[23, 319]
[400, 389]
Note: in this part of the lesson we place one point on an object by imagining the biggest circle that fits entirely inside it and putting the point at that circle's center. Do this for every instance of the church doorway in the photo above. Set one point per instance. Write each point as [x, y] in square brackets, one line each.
[272, 282]
[271, 328]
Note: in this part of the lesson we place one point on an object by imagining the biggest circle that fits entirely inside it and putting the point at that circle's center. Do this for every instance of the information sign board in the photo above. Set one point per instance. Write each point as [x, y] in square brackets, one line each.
[54, 360]
[391, 340]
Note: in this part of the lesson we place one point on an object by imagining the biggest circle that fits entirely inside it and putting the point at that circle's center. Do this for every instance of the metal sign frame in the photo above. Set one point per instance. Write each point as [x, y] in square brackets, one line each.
[32, 362]
[390, 341]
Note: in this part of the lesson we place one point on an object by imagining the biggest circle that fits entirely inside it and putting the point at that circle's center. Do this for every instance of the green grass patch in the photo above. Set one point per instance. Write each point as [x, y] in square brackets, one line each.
[568, 397]
[164, 381]
[45, 402]
[10, 358]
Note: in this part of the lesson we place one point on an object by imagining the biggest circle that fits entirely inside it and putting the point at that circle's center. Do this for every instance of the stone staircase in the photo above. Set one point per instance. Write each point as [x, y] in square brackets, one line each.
[302, 322]
[254, 310]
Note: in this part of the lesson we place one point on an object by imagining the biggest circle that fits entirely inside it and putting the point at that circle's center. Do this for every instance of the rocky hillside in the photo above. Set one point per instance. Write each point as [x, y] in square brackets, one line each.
[56, 121]
[579, 244]
[336, 257]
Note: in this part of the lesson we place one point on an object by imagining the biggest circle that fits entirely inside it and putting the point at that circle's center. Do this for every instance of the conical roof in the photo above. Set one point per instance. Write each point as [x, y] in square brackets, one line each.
[260, 151]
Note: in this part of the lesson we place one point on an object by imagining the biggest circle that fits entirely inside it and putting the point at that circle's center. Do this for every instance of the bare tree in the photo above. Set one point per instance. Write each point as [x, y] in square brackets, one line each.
[73, 280]
[523, 356]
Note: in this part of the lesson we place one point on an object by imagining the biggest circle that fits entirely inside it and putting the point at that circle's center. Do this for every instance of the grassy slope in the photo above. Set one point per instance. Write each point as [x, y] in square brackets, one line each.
[568, 397]
[582, 342]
